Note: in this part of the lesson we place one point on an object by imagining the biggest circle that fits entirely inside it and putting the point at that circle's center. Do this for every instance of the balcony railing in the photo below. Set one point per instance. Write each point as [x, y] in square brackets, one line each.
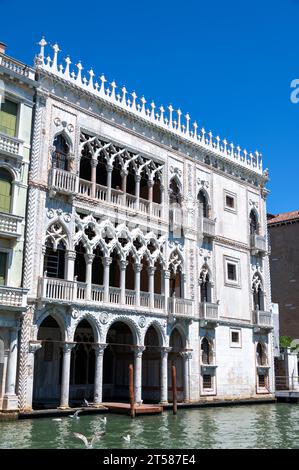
[208, 227]
[12, 297]
[208, 311]
[258, 244]
[179, 306]
[16, 67]
[63, 181]
[262, 319]
[10, 225]
[11, 145]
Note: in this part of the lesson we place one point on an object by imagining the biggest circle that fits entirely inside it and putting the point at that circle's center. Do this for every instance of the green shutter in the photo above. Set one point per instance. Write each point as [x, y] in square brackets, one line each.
[3, 260]
[5, 195]
[8, 118]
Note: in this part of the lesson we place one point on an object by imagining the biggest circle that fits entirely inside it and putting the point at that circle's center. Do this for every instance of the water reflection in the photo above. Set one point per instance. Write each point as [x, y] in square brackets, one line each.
[253, 426]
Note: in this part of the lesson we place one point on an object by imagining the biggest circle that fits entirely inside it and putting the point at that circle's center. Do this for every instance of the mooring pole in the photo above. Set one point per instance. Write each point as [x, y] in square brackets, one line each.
[131, 390]
[174, 391]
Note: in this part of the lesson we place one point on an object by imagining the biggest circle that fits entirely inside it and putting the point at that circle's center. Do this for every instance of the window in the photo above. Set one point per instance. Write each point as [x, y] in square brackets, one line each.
[54, 262]
[3, 266]
[5, 190]
[206, 352]
[8, 118]
[235, 338]
[203, 205]
[262, 381]
[61, 153]
[231, 272]
[253, 223]
[206, 381]
[230, 202]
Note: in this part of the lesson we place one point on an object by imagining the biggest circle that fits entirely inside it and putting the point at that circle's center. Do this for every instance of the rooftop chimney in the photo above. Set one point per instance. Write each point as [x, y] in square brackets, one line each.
[3, 47]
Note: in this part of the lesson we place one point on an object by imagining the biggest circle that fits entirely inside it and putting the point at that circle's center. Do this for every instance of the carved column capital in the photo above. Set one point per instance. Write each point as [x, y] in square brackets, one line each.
[70, 255]
[94, 162]
[68, 346]
[123, 264]
[89, 257]
[138, 350]
[164, 351]
[186, 355]
[34, 346]
[99, 348]
[138, 267]
[151, 270]
[106, 260]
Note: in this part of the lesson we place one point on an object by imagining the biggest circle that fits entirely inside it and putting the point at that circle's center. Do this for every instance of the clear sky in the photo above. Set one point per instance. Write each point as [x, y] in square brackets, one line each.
[228, 63]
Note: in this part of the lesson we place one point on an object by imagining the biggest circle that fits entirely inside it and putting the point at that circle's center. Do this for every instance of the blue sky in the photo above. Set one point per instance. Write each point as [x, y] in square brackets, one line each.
[228, 63]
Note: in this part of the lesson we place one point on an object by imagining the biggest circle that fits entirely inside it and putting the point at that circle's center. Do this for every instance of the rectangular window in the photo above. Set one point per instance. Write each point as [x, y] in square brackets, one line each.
[8, 118]
[3, 266]
[235, 338]
[206, 381]
[230, 202]
[231, 272]
[262, 381]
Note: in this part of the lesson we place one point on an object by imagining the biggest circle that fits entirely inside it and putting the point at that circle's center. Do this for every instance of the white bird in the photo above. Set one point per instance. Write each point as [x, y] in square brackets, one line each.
[104, 420]
[86, 403]
[89, 444]
[75, 415]
[56, 419]
[127, 438]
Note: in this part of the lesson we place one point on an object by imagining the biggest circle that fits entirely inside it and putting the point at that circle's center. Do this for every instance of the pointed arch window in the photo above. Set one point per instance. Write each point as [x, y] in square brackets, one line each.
[6, 180]
[54, 261]
[205, 285]
[261, 355]
[258, 294]
[203, 204]
[60, 157]
[176, 229]
[206, 351]
[253, 223]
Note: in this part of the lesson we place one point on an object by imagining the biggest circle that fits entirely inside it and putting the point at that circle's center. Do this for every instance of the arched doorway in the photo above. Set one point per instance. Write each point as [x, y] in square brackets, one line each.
[48, 366]
[151, 366]
[177, 343]
[118, 356]
[82, 364]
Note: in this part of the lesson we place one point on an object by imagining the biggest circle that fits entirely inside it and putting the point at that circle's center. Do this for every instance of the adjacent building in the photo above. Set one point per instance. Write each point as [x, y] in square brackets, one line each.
[146, 244]
[284, 266]
[17, 89]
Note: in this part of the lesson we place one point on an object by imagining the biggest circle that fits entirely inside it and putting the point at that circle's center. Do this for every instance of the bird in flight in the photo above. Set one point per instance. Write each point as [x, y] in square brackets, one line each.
[89, 443]
[127, 438]
[86, 403]
[104, 420]
[75, 415]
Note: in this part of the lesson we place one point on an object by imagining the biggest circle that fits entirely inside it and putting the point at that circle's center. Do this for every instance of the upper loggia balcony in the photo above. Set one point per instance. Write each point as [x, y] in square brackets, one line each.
[258, 244]
[10, 225]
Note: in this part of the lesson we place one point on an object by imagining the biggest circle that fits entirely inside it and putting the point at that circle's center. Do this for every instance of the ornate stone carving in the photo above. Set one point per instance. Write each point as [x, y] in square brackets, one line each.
[142, 321]
[104, 318]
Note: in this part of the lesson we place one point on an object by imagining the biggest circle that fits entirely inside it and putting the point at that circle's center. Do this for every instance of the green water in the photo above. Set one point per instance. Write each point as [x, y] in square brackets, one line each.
[253, 426]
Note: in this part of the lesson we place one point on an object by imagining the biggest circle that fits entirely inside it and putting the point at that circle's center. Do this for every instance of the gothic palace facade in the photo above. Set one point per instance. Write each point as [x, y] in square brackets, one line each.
[146, 243]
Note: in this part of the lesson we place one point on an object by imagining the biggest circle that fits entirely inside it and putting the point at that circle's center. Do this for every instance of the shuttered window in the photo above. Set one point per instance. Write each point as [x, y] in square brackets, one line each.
[3, 263]
[8, 118]
[5, 190]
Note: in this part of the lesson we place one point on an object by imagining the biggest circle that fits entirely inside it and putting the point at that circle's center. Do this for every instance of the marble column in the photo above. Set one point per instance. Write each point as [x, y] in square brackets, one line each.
[106, 263]
[89, 257]
[123, 266]
[151, 285]
[164, 375]
[10, 401]
[94, 164]
[34, 346]
[166, 288]
[186, 355]
[70, 264]
[98, 376]
[137, 269]
[65, 378]
[137, 190]
[124, 175]
[150, 194]
[109, 181]
[138, 351]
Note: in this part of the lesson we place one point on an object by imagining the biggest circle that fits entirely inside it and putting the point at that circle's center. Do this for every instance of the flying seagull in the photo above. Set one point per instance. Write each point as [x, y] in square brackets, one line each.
[86, 403]
[104, 420]
[75, 415]
[57, 419]
[89, 444]
[127, 438]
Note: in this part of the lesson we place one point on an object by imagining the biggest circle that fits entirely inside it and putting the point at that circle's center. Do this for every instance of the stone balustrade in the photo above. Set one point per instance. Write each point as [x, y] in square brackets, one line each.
[12, 297]
[11, 145]
[208, 311]
[258, 244]
[262, 319]
[181, 307]
[169, 119]
[10, 225]
[63, 181]
[16, 67]
[208, 227]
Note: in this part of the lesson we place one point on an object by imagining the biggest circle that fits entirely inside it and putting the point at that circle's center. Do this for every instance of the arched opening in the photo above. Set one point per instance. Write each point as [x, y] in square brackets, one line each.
[261, 355]
[48, 365]
[144, 185]
[203, 204]
[131, 185]
[206, 352]
[157, 197]
[253, 223]
[6, 180]
[176, 229]
[82, 364]
[85, 164]
[80, 263]
[175, 196]
[130, 273]
[54, 259]
[158, 277]
[177, 343]
[114, 270]
[116, 182]
[175, 283]
[1, 367]
[118, 356]
[101, 172]
[60, 156]
[151, 364]
[205, 286]
[144, 275]
[97, 267]
[258, 294]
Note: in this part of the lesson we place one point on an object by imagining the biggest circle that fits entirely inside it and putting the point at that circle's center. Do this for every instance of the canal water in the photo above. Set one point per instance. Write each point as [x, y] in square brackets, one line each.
[248, 426]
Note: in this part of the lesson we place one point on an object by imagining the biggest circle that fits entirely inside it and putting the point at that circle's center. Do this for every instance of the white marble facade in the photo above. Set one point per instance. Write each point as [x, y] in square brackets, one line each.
[146, 244]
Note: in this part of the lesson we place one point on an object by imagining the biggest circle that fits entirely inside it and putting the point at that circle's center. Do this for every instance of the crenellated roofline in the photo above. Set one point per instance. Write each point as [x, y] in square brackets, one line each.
[170, 120]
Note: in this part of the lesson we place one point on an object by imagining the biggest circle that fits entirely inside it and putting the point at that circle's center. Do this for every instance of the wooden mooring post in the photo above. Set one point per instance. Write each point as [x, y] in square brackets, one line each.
[131, 390]
[174, 390]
